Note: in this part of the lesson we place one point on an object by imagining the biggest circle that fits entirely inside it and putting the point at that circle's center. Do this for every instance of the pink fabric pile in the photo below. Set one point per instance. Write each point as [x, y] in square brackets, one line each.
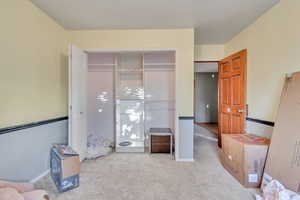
[21, 191]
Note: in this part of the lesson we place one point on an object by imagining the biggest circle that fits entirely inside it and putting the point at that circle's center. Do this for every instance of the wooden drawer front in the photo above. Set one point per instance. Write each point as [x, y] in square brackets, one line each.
[160, 139]
[160, 148]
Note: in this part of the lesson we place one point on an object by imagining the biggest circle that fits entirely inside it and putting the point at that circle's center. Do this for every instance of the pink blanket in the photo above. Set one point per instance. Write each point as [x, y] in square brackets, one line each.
[20, 191]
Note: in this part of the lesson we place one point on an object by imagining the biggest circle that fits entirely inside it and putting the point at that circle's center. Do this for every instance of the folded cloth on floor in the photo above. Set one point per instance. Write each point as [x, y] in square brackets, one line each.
[98, 146]
[276, 191]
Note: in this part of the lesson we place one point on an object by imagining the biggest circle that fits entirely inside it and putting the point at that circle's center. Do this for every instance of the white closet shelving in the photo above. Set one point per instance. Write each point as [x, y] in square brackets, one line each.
[129, 93]
[129, 103]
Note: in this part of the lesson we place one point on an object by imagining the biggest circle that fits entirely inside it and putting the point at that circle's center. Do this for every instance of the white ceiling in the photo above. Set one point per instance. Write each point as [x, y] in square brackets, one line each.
[216, 21]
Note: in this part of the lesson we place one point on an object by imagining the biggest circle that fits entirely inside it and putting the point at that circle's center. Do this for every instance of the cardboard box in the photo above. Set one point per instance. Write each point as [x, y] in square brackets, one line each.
[283, 162]
[244, 157]
[65, 169]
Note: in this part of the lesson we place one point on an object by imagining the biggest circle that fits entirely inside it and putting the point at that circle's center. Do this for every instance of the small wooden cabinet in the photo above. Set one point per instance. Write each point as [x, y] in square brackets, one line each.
[160, 144]
[161, 140]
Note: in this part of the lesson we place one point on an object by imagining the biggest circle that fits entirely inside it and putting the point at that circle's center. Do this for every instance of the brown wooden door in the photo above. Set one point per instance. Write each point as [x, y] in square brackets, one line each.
[232, 94]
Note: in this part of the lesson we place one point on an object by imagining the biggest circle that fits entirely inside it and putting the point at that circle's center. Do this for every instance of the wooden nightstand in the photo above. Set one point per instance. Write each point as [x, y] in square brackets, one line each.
[160, 140]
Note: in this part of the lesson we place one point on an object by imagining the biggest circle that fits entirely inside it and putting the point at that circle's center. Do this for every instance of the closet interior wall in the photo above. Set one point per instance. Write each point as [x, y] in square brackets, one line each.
[100, 100]
[159, 77]
[129, 93]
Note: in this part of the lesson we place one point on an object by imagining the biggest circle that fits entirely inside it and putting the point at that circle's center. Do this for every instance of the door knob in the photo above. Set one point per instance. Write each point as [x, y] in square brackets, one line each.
[228, 110]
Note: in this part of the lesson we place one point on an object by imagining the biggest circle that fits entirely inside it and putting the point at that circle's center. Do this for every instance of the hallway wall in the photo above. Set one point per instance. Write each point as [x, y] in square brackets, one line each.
[206, 97]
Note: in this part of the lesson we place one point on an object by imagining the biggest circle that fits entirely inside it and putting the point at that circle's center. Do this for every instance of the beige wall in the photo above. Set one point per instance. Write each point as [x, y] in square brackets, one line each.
[33, 78]
[33, 65]
[273, 44]
[180, 39]
[209, 52]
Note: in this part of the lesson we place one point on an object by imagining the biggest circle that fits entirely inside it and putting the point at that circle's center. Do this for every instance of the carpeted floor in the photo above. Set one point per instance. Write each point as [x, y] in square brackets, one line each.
[125, 176]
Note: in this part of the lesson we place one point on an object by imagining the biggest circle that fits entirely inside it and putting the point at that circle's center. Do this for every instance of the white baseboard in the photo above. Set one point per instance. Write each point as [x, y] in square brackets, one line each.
[40, 176]
[185, 160]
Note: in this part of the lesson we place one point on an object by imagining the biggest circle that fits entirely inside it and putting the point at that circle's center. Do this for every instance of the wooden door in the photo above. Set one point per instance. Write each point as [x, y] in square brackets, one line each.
[77, 100]
[232, 94]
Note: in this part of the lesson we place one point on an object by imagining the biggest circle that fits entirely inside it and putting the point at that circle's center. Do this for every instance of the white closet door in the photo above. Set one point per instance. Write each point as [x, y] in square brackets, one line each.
[77, 100]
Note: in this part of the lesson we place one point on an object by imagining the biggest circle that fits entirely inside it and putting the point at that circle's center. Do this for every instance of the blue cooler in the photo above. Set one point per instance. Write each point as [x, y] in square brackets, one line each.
[65, 168]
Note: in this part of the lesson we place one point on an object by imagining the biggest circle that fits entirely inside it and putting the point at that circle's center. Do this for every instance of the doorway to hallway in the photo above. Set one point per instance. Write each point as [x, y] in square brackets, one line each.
[206, 99]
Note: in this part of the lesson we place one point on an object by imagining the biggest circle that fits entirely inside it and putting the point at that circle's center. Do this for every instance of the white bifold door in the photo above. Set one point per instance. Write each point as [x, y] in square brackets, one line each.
[77, 100]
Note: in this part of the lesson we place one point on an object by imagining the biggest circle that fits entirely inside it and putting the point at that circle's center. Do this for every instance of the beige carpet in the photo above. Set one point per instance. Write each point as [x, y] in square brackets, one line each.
[121, 176]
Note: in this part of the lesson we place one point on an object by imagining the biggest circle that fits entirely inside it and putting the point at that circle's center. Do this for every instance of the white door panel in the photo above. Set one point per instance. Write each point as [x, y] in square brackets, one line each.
[77, 100]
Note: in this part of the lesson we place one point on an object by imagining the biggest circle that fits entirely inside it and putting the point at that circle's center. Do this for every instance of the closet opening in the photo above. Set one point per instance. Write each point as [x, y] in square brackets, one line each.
[128, 93]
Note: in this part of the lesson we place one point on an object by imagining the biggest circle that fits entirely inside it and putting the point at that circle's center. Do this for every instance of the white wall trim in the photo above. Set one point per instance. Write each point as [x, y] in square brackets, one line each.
[185, 160]
[39, 177]
[177, 133]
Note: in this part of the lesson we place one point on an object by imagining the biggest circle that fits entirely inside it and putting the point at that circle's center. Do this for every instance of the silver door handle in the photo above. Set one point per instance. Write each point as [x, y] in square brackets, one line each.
[228, 110]
[241, 111]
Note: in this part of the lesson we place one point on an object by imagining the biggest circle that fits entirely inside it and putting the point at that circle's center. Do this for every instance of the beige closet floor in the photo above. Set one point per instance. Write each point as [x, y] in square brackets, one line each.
[122, 176]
